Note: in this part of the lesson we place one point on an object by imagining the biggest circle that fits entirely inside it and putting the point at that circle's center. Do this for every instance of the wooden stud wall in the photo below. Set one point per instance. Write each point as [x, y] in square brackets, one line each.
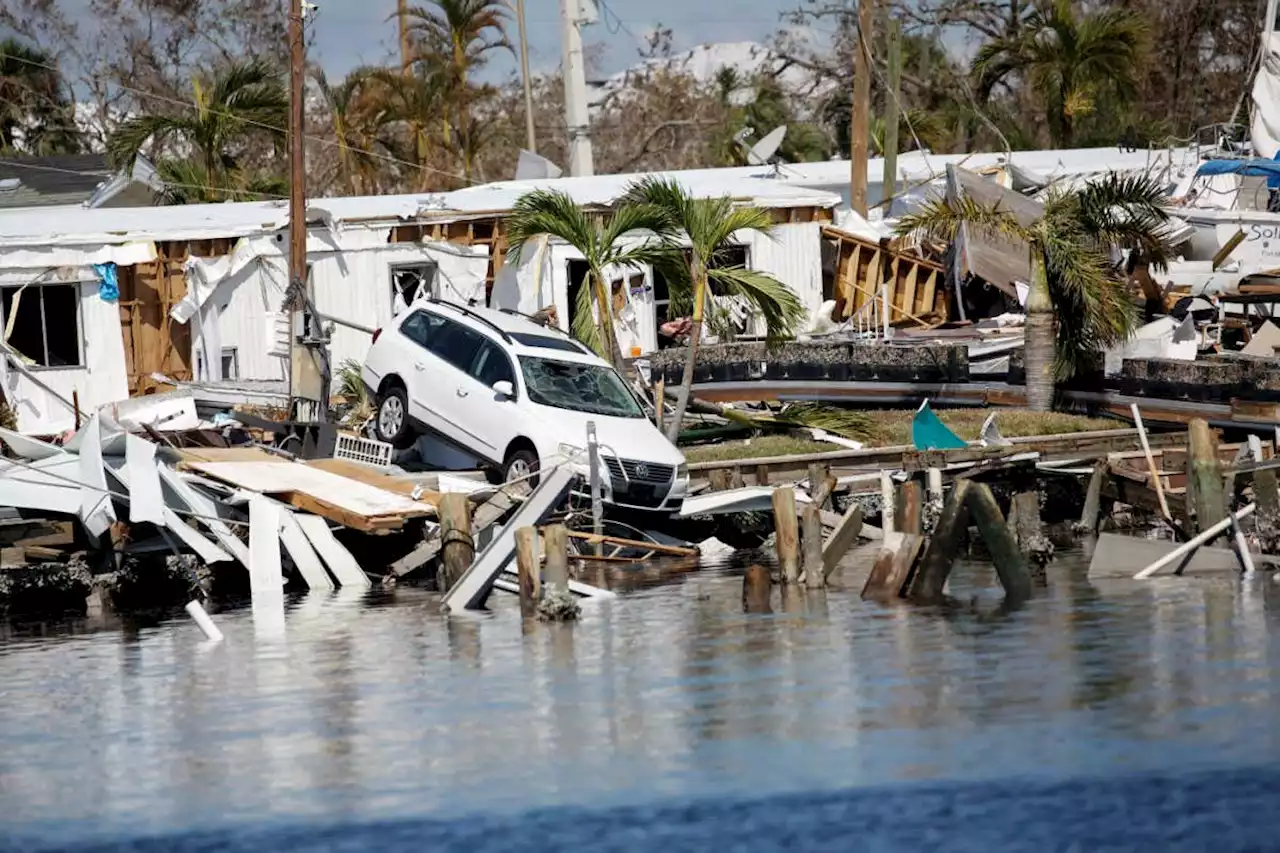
[916, 294]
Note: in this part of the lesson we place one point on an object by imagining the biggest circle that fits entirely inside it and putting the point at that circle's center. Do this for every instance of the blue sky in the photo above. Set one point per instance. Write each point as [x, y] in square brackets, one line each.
[348, 32]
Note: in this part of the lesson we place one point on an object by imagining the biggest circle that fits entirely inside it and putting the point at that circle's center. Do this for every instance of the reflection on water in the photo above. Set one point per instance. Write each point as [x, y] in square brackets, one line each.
[380, 709]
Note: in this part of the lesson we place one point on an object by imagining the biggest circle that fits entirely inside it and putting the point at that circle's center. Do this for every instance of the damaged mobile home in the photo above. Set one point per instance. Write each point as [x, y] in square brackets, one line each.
[102, 305]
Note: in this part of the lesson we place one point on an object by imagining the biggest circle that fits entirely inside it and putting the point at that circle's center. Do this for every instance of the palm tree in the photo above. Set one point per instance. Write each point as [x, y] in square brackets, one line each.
[709, 225]
[35, 113]
[409, 105]
[245, 101]
[1073, 281]
[1068, 56]
[187, 182]
[553, 213]
[359, 115]
[457, 36]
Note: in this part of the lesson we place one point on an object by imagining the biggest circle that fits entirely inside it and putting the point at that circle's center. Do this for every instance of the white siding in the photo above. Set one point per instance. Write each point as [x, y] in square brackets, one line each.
[793, 255]
[353, 285]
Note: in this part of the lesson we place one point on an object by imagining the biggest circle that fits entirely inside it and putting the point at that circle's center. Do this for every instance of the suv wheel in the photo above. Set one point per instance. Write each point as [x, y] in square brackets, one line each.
[392, 421]
[520, 465]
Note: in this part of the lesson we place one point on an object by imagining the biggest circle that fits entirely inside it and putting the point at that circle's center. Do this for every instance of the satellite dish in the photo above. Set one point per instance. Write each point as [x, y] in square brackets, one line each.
[760, 153]
[531, 167]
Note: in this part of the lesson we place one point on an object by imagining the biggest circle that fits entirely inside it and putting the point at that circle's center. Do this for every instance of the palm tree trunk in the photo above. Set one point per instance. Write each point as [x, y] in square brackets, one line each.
[691, 357]
[406, 49]
[605, 311]
[1039, 348]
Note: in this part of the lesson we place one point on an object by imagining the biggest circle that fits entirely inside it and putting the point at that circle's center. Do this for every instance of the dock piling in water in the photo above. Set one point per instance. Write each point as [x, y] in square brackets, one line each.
[457, 547]
[931, 576]
[757, 588]
[1204, 481]
[909, 511]
[786, 534]
[815, 576]
[529, 568]
[1010, 566]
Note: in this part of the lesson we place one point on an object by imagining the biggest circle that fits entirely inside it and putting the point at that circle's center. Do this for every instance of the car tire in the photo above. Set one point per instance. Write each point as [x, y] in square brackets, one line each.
[521, 463]
[391, 421]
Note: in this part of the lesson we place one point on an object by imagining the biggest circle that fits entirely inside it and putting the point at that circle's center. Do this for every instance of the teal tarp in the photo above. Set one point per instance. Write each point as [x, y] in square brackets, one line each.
[929, 433]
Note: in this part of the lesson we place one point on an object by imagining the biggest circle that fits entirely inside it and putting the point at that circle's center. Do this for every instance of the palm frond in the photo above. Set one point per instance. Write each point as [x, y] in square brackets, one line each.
[553, 213]
[843, 422]
[127, 141]
[635, 217]
[778, 304]
[941, 219]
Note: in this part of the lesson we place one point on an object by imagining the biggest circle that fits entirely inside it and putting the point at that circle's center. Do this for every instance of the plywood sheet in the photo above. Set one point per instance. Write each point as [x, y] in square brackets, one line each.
[348, 501]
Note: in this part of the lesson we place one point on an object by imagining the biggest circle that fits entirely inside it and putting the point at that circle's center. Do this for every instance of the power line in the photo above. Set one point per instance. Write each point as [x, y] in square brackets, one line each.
[264, 125]
[106, 176]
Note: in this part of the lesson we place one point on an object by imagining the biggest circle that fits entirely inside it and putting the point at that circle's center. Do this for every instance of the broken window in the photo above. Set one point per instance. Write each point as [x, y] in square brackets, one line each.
[230, 363]
[411, 281]
[578, 387]
[42, 322]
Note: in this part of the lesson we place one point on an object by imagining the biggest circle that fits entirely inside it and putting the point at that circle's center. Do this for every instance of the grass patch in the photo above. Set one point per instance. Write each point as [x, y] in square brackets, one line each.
[892, 427]
[755, 448]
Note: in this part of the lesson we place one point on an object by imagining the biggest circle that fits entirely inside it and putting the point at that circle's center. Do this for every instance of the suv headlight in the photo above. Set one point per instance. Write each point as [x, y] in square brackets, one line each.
[682, 471]
[568, 451]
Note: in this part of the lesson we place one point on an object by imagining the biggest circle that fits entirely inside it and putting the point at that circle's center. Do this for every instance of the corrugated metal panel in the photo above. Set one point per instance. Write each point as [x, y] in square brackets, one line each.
[793, 255]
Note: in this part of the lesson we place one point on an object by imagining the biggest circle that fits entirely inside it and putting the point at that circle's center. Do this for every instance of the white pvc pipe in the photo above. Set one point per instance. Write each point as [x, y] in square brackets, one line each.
[886, 497]
[197, 612]
[1187, 547]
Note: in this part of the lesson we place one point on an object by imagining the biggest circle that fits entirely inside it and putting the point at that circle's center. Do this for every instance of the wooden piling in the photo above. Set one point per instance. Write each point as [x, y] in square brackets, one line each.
[821, 484]
[1266, 489]
[944, 545]
[530, 571]
[757, 587]
[1009, 562]
[721, 479]
[736, 480]
[785, 533]
[659, 400]
[1093, 498]
[909, 509]
[457, 547]
[892, 569]
[1204, 481]
[555, 539]
[815, 576]
[762, 475]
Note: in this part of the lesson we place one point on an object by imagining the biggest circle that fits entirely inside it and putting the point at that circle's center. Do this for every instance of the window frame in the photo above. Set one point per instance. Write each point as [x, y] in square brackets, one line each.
[511, 367]
[432, 285]
[81, 345]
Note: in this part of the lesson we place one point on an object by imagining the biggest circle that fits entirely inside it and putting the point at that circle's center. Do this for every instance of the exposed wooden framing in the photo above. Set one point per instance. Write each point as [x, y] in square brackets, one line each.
[864, 267]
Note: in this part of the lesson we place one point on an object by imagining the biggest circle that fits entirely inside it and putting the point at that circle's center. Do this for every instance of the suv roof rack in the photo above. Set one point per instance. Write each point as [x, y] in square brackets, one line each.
[550, 328]
[434, 300]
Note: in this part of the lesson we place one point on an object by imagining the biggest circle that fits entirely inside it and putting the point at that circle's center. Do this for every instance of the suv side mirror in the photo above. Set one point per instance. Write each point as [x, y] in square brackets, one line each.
[503, 387]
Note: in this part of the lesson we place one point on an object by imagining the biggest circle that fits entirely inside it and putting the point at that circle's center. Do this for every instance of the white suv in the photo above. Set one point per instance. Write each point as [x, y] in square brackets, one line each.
[517, 395]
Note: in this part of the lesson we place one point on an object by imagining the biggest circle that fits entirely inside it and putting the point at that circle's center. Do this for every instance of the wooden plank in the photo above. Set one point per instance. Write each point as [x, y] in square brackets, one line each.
[369, 476]
[593, 539]
[909, 289]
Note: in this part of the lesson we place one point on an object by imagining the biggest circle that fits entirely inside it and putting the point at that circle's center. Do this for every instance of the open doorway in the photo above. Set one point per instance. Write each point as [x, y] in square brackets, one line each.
[578, 272]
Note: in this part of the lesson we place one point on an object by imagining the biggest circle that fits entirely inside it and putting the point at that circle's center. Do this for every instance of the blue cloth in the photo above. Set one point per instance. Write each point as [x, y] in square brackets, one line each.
[109, 289]
[929, 433]
[1258, 168]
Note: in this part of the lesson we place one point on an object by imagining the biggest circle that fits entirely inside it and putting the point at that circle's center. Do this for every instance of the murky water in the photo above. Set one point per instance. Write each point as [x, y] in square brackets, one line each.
[1123, 714]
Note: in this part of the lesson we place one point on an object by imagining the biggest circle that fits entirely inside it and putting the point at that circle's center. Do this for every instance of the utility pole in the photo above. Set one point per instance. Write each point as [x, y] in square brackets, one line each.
[532, 142]
[308, 372]
[575, 87]
[892, 109]
[859, 125]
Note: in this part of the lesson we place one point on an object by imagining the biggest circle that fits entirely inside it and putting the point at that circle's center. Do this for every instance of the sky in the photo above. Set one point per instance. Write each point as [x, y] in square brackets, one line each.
[352, 32]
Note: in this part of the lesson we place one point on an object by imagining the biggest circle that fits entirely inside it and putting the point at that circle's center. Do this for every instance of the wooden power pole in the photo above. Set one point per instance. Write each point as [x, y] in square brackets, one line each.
[860, 123]
[892, 110]
[308, 357]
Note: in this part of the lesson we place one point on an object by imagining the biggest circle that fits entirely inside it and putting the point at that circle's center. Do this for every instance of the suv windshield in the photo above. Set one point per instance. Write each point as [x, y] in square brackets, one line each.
[579, 387]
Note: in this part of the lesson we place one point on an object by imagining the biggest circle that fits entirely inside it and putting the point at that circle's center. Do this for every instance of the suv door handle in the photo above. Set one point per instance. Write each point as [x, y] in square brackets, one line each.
[462, 393]
[417, 365]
